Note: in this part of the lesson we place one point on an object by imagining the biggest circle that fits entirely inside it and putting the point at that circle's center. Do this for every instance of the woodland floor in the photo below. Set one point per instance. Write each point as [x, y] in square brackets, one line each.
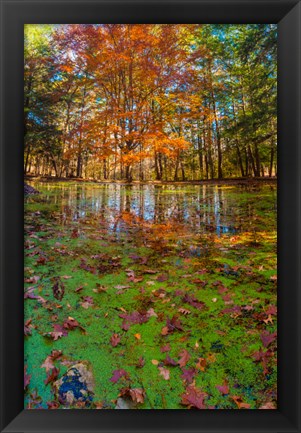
[178, 303]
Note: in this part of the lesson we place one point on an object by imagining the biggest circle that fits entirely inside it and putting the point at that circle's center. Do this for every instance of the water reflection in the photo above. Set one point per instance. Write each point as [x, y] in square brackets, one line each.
[199, 208]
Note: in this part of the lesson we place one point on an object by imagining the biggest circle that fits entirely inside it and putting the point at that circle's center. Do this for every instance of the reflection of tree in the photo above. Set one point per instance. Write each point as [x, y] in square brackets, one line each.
[158, 205]
[141, 202]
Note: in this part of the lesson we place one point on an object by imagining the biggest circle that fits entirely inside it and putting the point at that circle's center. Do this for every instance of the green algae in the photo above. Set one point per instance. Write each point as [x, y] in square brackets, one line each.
[220, 269]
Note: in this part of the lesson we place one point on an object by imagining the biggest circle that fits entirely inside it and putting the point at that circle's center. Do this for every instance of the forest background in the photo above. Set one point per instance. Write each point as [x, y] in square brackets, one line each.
[163, 102]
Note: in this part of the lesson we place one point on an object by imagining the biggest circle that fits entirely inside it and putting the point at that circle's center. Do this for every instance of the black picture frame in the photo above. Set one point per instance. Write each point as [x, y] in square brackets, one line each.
[16, 13]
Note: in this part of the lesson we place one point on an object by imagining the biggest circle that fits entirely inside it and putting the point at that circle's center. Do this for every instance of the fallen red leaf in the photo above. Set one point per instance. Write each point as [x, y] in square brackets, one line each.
[240, 404]
[117, 374]
[268, 338]
[223, 389]
[188, 374]
[184, 358]
[115, 340]
[193, 397]
[27, 377]
[52, 376]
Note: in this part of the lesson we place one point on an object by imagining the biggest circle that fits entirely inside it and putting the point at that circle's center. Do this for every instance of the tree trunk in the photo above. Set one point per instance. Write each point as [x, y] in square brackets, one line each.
[240, 160]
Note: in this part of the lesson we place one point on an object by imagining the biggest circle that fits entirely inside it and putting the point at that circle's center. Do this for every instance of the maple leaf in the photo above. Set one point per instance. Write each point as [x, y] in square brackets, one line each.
[141, 362]
[184, 311]
[165, 348]
[87, 302]
[169, 361]
[271, 310]
[27, 377]
[58, 332]
[115, 340]
[58, 289]
[164, 372]
[240, 404]
[201, 365]
[133, 318]
[174, 324]
[28, 294]
[268, 405]
[137, 395]
[72, 323]
[235, 309]
[53, 404]
[193, 301]
[48, 363]
[223, 389]
[151, 313]
[188, 374]
[264, 358]
[267, 338]
[27, 327]
[184, 358]
[150, 271]
[52, 376]
[117, 374]
[41, 260]
[193, 397]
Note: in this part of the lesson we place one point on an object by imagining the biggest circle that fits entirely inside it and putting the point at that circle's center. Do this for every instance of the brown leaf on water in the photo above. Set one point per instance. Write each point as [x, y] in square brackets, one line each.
[118, 374]
[41, 260]
[115, 340]
[137, 395]
[268, 405]
[201, 365]
[141, 362]
[184, 311]
[239, 402]
[52, 376]
[193, 397]
[164, 372]
[28, 327]
[164, 330]
[268, 338]
[58, 332]
[193, 301]
[165, 348]
[223, 389]
[184, 358]
[27, 377]
[48, 363]
[169, 361]
[188, 374]
[174, 324]
[72, 323]
[53, 404]
[87, 302]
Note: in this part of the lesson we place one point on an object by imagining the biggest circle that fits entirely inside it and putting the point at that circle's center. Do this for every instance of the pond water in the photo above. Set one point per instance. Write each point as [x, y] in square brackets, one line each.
[200, 208]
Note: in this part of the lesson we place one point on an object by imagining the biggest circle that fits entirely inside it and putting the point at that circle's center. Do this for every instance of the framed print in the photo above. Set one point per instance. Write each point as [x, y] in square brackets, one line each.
[150, 216]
